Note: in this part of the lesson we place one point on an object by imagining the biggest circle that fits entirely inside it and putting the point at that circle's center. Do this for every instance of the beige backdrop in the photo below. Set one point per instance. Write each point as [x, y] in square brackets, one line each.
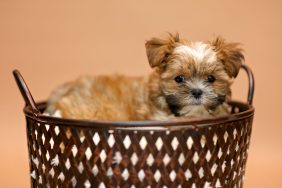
[56, 41]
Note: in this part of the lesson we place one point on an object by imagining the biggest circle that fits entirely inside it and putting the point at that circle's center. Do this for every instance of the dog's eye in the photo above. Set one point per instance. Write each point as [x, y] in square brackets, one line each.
[211, 78]
[179, 79]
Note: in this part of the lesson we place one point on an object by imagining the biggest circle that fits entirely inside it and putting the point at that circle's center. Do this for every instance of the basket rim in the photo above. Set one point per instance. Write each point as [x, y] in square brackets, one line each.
[143, 125]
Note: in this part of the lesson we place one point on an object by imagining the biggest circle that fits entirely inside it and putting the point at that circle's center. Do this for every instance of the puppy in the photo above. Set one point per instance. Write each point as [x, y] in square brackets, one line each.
[189, 79]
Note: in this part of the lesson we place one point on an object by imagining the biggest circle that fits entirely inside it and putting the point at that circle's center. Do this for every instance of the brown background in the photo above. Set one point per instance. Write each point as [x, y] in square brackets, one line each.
[57, 41]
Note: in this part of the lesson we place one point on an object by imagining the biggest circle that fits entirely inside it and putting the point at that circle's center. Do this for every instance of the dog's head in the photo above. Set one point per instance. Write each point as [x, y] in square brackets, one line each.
[194, 73]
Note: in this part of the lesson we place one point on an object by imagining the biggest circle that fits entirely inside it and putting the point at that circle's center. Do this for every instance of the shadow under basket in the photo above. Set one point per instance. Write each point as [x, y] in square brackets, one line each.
[210, 152]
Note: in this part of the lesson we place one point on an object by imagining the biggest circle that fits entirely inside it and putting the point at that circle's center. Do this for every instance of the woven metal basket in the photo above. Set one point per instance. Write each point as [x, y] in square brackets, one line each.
[177, 153]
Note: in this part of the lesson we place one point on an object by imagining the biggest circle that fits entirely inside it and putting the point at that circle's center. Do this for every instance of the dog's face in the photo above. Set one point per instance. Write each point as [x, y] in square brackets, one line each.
[194, 73]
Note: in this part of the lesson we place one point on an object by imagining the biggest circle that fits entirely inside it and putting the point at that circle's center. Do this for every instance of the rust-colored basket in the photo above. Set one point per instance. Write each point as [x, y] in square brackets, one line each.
[177, 153]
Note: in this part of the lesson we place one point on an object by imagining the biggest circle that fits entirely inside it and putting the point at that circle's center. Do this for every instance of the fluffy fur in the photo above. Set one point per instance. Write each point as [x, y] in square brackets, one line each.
[160, 95]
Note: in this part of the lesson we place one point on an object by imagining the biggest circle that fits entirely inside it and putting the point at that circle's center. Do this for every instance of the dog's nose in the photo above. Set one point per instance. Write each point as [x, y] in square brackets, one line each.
[197, 93]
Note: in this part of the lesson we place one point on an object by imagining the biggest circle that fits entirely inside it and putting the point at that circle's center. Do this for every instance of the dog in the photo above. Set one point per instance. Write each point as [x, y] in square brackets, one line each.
[189, 79]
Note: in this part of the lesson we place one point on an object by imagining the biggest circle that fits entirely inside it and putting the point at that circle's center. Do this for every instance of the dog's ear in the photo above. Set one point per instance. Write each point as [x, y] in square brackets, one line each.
[158, 50]
[230, 55]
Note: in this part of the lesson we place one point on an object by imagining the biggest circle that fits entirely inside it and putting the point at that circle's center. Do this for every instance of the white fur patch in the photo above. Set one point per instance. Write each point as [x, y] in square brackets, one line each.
[198, 50]
[57, 114]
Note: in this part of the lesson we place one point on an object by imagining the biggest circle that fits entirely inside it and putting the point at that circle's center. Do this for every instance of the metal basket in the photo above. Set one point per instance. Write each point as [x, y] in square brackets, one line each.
[177, 153]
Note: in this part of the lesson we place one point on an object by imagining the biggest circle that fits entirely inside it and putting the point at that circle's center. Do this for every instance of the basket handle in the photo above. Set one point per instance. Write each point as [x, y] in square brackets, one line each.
[30, 101]
[251, 83]
[26, 93]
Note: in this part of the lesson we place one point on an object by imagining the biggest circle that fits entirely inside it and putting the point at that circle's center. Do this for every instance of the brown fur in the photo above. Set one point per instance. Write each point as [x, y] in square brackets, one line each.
[158, 96]
[230, 54]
